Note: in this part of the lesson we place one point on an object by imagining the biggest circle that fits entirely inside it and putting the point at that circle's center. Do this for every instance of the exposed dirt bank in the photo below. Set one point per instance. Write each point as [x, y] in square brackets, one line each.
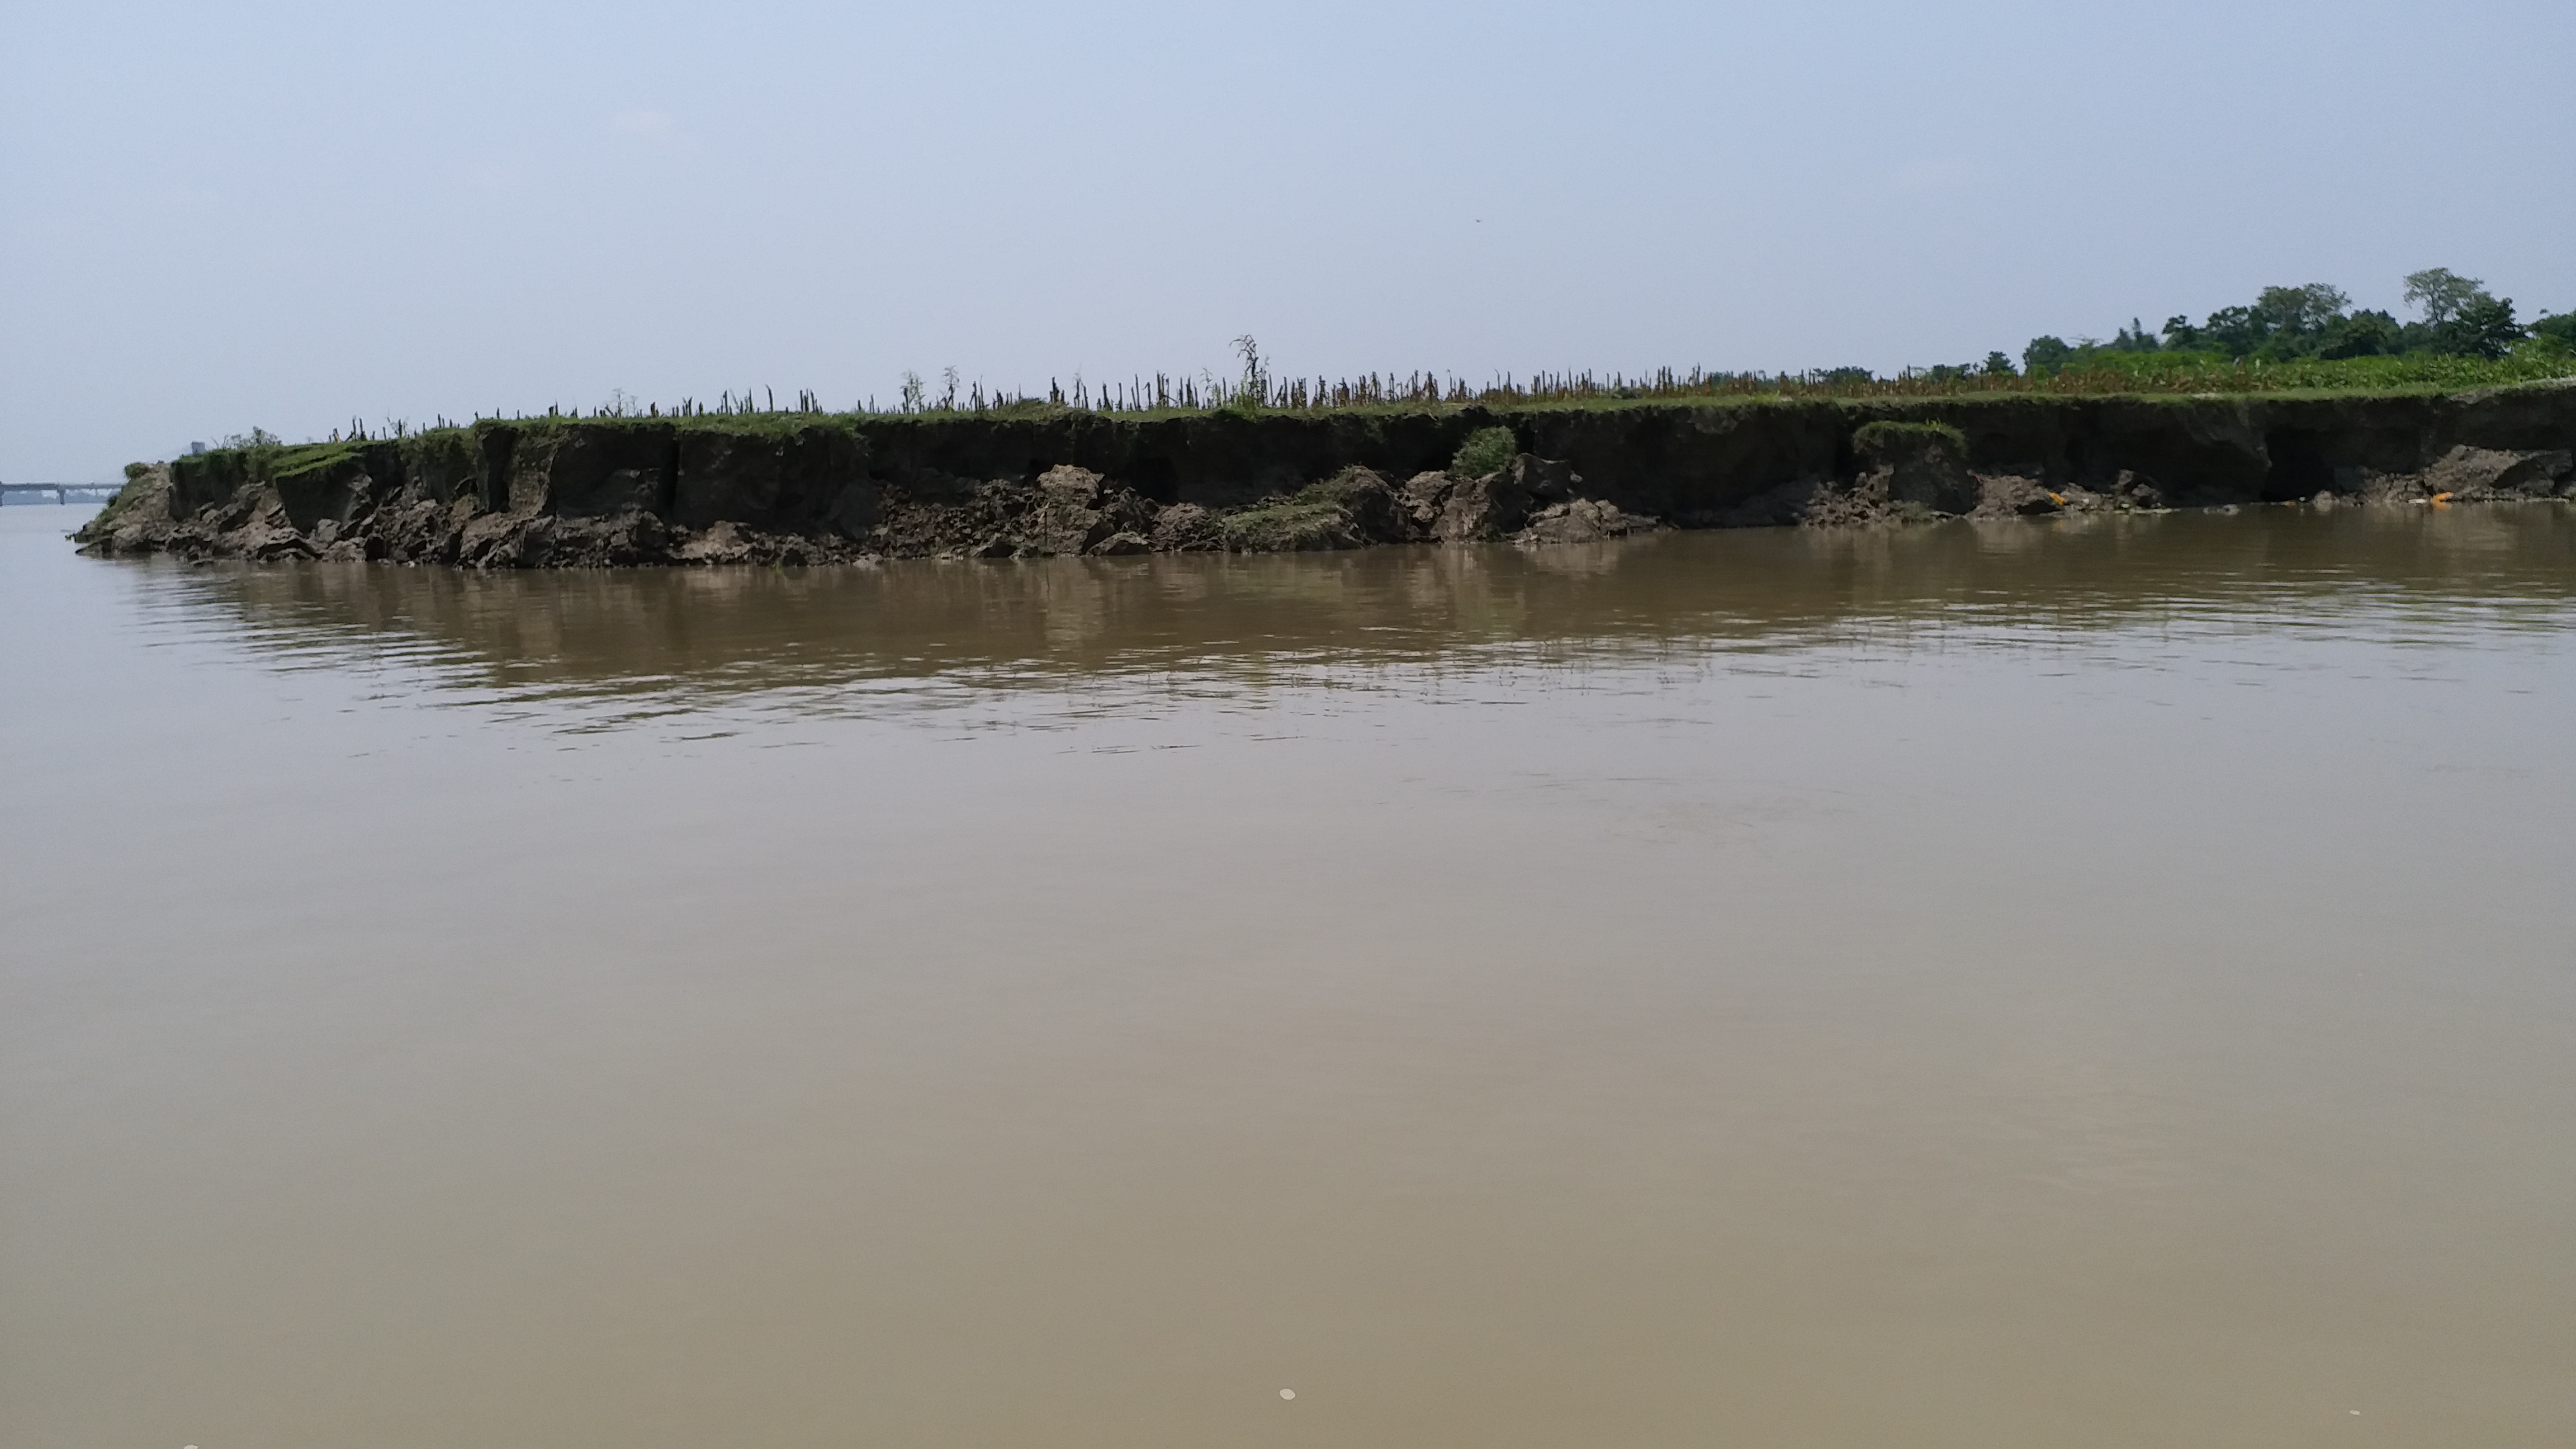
[789, 488]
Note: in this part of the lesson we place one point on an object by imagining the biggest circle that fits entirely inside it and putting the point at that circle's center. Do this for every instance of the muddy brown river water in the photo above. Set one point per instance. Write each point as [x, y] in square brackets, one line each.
[2031, 985]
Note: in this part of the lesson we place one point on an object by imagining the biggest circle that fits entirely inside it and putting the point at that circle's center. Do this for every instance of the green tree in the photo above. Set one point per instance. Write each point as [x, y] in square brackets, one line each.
[2483, 327]
[2234, 332]
[2363, 334]
[2045, 355]
[2135, 338]
[2294, 319]
[2559, 328]
[1998, 365]
[2441, 294]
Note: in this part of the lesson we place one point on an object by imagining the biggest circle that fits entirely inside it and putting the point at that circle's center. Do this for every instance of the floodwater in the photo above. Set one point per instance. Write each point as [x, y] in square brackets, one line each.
[2037, 985]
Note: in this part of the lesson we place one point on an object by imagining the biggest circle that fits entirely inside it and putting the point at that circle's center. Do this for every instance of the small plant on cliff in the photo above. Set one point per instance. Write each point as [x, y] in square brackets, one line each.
[1250, 395]
[1486, 451]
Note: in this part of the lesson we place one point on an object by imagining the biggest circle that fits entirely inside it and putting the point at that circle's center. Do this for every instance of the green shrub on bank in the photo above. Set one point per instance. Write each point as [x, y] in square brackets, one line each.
[1486, 451]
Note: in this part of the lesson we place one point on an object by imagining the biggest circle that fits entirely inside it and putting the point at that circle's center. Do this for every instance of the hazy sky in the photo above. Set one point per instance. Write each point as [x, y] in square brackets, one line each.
[214, 216]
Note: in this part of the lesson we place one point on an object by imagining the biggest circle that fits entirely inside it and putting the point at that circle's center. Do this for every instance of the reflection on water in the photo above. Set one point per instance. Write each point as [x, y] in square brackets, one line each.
[603, 644]
[2044, 984]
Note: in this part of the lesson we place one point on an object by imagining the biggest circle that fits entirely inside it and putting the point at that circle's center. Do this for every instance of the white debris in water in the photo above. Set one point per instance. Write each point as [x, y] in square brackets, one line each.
[1290, 1394]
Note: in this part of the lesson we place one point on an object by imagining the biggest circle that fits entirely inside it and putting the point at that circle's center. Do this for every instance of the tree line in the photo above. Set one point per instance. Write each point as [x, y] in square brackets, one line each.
[2457, 317]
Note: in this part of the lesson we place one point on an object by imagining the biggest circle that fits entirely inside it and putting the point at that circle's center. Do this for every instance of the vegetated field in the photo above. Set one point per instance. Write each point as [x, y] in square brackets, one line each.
[2145, 375]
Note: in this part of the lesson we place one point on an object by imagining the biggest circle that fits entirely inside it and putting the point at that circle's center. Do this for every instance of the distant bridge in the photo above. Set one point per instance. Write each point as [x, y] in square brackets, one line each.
[63, 492]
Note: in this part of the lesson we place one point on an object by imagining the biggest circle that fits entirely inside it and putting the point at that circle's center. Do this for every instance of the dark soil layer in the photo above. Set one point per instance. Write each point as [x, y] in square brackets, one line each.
[811, 488]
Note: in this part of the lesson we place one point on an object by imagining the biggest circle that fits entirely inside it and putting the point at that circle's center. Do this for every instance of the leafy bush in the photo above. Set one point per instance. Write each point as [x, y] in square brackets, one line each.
[1486, 451]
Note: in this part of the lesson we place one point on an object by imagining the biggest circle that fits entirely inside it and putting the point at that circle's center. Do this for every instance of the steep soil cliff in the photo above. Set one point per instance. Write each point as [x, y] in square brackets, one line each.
[795, 488]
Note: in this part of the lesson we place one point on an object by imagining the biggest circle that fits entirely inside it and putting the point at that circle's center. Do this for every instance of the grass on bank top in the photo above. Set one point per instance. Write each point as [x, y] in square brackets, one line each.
[2148, 375]
[1885, 438]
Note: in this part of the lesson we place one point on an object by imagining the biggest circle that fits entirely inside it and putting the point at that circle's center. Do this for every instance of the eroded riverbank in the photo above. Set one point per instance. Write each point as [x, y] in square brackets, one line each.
[790, 488]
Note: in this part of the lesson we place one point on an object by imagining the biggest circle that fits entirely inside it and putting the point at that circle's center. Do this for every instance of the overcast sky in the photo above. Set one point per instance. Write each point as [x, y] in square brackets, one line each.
[215, 216]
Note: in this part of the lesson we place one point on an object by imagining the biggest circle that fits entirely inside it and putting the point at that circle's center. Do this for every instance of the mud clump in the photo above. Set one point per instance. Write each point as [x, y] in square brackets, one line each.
[2485, 475]
[1527, 499]
[1186, 528]
[1584, 520]
[1917, 466]
[1501, 502]
[2024, 495]
[1351, 509]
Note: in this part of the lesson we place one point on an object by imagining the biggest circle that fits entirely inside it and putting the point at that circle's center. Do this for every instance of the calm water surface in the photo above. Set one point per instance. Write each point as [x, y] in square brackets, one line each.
[2045, 985]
